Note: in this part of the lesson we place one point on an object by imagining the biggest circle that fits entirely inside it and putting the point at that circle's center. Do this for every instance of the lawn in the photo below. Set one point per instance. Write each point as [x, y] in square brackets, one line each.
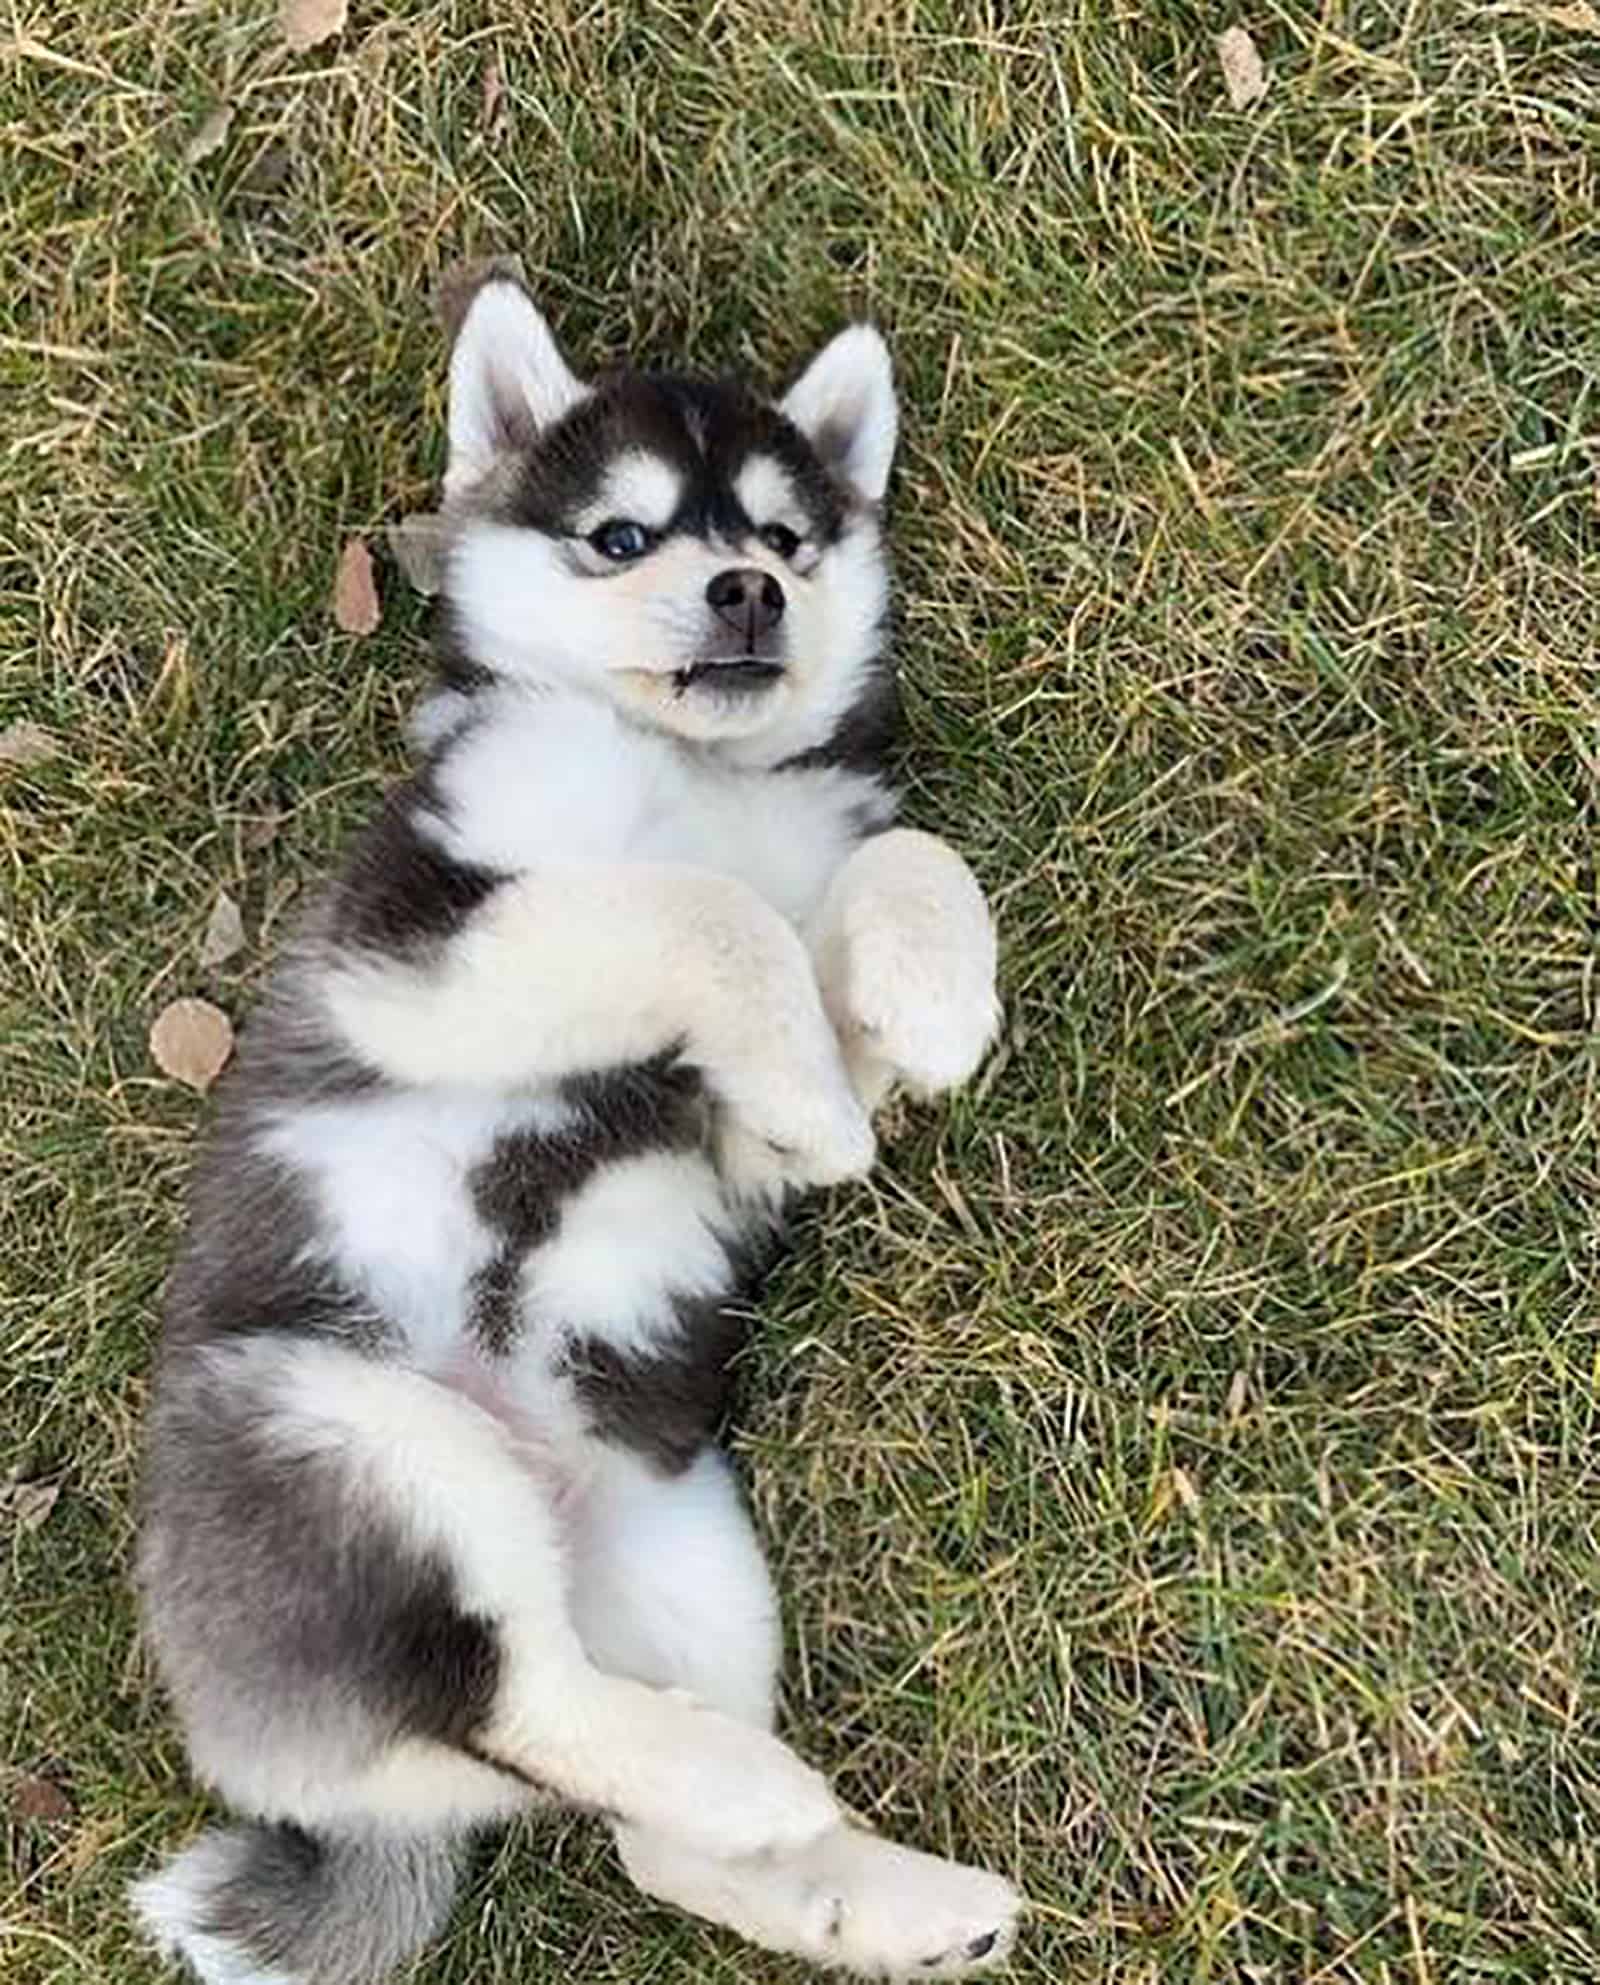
[1182, 1460]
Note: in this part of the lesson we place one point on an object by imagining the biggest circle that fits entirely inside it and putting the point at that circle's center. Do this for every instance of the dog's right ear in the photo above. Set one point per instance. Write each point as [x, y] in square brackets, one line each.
[507, 382]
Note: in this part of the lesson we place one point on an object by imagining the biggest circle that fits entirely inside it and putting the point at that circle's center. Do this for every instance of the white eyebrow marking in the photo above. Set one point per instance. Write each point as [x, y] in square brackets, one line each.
[639, 488]
[767, 494]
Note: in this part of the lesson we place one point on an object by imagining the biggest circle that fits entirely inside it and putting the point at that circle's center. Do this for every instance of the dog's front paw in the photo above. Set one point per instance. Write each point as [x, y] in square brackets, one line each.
[787, 1136]
[910, 971]
[925, 1016]
[889, 1912]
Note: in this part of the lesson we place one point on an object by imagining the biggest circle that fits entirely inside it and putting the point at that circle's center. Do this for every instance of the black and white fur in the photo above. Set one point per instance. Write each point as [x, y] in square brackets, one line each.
[434, 1526]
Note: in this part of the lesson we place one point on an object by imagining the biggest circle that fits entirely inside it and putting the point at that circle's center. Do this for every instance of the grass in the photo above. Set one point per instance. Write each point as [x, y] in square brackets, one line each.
[1182, 1461]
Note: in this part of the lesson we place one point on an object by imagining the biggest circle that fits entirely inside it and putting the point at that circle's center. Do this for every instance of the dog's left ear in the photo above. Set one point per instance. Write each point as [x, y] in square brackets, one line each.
[843, 403]
[507, 382]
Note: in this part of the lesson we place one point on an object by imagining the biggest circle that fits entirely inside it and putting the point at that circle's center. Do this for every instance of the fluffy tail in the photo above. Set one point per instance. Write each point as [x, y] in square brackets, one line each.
[272, 1905]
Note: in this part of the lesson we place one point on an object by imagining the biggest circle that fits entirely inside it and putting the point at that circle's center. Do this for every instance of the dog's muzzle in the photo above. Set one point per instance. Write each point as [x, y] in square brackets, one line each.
[745, 649]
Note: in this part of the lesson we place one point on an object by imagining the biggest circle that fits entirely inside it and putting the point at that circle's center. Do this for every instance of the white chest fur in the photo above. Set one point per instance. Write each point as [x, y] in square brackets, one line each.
[562, 777]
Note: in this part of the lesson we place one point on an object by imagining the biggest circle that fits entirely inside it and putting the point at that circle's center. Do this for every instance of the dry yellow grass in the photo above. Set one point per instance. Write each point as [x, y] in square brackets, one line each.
[1182, 1462]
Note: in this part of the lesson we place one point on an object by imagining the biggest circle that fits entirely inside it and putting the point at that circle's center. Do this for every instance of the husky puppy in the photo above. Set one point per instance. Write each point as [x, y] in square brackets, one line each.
[433, 1525]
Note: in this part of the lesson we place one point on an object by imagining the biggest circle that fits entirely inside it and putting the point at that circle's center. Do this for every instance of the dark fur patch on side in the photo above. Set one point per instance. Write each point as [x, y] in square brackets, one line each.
[246, 1265]
[444, 1663]
[249, 1261]
[308, 1597]
[519, 1188]
[452, 659]
[320, 1069]
[668, 1403]
[400, 888]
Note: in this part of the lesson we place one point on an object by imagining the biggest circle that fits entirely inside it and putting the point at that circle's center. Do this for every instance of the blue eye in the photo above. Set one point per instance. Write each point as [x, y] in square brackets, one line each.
[779, 538]
[620, 538]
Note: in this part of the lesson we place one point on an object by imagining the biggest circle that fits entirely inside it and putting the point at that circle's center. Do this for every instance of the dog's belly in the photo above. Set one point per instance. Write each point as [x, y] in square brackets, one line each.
[540, 1425]
[559, 1284]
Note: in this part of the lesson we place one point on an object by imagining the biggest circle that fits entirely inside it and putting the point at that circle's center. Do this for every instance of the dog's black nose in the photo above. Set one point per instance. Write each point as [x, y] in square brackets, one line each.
[749, 601]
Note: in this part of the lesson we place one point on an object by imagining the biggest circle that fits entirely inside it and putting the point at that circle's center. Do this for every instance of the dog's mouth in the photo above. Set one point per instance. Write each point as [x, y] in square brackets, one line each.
[740, 675]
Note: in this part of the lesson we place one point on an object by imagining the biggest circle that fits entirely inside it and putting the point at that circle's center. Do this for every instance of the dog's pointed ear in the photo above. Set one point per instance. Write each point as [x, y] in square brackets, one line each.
[844, 404]
[507, 382]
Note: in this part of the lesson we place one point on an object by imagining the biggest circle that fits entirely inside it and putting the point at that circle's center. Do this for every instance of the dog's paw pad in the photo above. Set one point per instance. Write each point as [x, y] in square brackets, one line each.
[889, 1912]
[980, 1953]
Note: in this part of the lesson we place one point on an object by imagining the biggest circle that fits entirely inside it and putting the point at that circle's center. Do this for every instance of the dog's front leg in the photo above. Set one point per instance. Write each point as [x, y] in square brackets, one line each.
[583, 966]
[905, 955]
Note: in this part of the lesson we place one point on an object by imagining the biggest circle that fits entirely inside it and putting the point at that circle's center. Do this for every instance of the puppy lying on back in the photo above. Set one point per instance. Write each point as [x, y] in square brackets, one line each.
[434, 1526]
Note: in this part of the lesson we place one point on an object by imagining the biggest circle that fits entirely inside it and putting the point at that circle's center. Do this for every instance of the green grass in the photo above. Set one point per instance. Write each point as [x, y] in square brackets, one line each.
[1182, 1461]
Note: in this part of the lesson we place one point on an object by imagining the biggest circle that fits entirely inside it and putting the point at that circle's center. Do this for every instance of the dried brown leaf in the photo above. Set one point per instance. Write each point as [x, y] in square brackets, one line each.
[24, 743]
[1579, 16]
[355, 592]
[1242, 69]
[209, 135]
[305, 23]
[417, 545]
[224, 933]
[191, 1041]
[36, 1798]
[28, 1504]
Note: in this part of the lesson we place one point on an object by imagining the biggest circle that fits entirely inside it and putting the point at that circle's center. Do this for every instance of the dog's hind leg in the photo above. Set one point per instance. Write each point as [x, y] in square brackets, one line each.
[358, 1593]
[442, 1476]
[669, 1587]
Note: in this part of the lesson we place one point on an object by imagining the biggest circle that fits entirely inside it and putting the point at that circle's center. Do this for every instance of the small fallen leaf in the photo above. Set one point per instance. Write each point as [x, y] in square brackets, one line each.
[355, 596]
[305, 23]
[28, 1504]
[210, 135]
[224, 932]
[35, 1798]
[24, 743]
[1580, 17]
[191, 1041]
[417, 545]
[1242, 68]
[460, 283]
